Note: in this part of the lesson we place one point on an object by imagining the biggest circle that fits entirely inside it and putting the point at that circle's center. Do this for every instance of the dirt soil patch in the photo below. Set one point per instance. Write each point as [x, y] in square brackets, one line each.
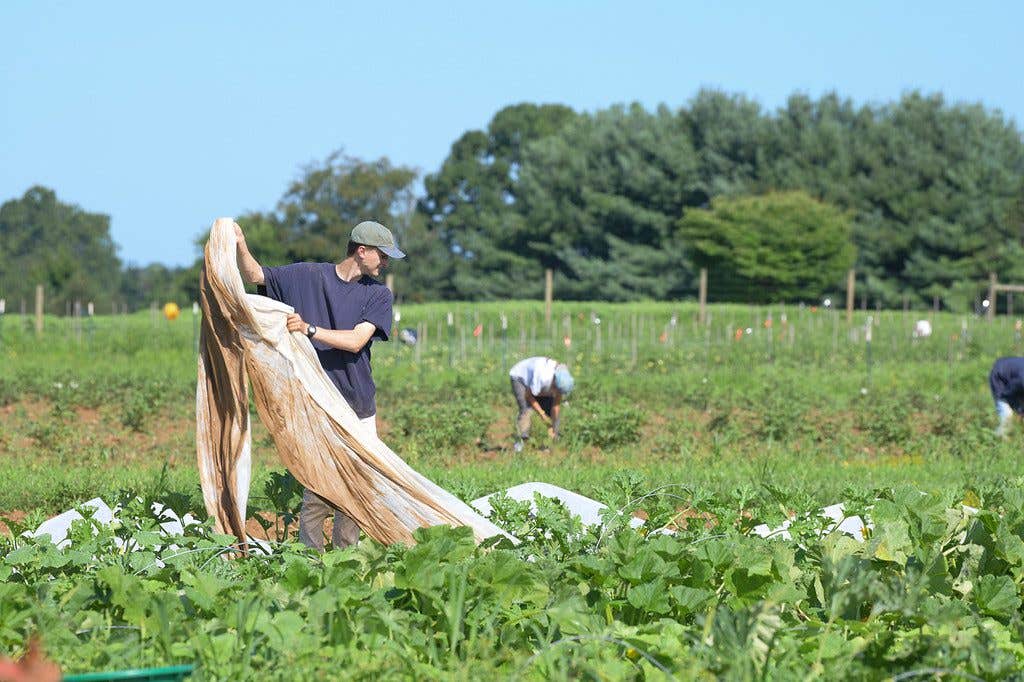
[15, 516]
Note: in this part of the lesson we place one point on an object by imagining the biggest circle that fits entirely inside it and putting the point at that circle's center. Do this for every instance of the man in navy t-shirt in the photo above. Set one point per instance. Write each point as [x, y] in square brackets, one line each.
[1006, 380]
[342, 309]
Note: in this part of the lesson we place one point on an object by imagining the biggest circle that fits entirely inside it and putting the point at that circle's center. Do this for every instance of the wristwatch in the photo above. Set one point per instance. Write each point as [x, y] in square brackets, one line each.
[311, 331]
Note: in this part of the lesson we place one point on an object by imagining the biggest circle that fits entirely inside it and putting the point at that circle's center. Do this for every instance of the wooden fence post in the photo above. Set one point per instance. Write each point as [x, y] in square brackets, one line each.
[549, 291]
[851, 280]
[990, 312]
[39, 310]
[703, 295]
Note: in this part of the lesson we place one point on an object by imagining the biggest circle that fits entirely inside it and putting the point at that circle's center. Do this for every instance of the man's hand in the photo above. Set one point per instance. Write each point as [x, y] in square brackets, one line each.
[297, 324]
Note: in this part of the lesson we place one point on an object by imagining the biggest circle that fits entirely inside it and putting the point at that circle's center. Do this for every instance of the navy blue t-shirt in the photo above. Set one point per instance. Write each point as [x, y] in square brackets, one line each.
[325, 300]
[1007, 382]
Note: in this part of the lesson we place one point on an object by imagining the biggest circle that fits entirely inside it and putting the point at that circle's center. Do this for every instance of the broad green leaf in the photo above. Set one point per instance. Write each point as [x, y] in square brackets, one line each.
[651, 596]
[997, 595]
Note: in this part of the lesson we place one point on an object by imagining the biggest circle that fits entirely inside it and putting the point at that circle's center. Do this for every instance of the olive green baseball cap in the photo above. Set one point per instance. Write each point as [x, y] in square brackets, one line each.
[370, 233]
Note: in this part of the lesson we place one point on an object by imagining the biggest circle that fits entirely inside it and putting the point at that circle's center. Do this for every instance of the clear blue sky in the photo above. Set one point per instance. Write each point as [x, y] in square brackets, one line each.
[168, 115]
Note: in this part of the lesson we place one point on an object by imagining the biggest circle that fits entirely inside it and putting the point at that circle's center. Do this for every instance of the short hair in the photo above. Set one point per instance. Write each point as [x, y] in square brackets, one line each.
[352, 246]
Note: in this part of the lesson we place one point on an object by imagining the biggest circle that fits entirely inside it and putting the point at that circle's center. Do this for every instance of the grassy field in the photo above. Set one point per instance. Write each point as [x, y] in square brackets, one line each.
[758, 415]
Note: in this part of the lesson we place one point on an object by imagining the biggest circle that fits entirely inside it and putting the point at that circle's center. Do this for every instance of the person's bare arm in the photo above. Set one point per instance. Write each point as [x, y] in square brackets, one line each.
[535, 404]
[351, 340]
[247, 265]
[556, 411]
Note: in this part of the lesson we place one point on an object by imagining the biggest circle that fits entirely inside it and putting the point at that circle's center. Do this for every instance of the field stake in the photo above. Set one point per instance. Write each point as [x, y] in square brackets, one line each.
[632, 345]
[451, 348]
[39, 310]
[835, 333]
[462, 344]
[421, 338]
[702, 296]
[851, 283]
[549, 289]
[867, 347]
[479, 337]
[504, 341]
[90, 323]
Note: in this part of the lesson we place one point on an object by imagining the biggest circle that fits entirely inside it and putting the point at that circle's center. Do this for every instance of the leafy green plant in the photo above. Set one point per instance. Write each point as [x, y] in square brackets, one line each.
[601, 423]
[138, 405]
[428, 424]
[887, 420]
[9, 392]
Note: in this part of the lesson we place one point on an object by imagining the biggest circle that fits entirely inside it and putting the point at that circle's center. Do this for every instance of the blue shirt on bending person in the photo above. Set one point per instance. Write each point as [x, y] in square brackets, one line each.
[1006, 380]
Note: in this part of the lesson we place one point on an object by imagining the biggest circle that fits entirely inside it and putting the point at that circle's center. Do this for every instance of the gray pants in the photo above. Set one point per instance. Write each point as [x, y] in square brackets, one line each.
[547, 403]
[315, 510]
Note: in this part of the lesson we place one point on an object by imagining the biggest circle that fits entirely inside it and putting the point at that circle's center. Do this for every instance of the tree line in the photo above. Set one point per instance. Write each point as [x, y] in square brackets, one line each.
[923, 197]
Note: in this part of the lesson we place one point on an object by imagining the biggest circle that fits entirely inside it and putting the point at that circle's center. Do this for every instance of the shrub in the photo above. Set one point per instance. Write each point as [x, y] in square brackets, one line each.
[602, 423]
[887, 421]
[458, 420]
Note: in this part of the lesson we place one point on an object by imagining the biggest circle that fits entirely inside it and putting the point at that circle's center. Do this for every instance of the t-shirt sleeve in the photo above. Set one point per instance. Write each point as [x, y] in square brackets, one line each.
[378, 312]
[276, 281]
[282, 283]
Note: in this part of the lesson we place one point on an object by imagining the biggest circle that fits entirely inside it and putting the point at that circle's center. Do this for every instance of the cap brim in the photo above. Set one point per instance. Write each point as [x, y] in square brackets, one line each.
[392, 251]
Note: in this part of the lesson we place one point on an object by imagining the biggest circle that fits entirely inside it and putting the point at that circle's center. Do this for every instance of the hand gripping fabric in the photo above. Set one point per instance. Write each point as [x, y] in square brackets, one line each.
[317, 435]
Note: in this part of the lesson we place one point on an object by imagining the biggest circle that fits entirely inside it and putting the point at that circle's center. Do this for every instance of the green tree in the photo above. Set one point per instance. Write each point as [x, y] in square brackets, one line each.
[730, 137]
[929, 186]
[419, 276]
[66, 249]
[471, 203]
[315, 216]
[777, 247]
[320, 208]
[142, 286]
[599, 201]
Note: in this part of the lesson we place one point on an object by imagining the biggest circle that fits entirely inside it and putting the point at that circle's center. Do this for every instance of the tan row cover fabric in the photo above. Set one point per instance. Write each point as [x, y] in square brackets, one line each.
[317, 435]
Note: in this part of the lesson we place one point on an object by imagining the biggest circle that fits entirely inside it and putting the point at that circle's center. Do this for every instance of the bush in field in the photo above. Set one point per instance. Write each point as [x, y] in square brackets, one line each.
[602, 423]
[139, 403]
[782, 415]
[8, 392]
[785, 246]
[886, 420]
[433, 424]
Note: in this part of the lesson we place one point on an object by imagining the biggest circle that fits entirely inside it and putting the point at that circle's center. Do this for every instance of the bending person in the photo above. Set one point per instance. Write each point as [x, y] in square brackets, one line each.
[1007, 383]
[539, 385]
